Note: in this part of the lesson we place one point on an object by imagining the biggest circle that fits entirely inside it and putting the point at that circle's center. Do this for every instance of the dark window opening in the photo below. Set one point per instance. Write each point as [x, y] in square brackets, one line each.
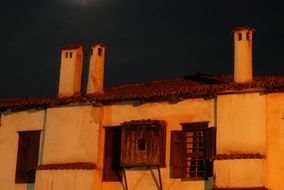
[191, 151]
[248, 36]
[240, 36]
[112, 170]
[66, 54]
[70, 55]
[0, 118]
[141, 144]
[100, 50]
[27, 158]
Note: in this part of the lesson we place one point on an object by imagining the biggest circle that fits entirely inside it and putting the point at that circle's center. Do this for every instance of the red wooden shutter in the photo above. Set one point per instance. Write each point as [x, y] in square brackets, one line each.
[177, 153]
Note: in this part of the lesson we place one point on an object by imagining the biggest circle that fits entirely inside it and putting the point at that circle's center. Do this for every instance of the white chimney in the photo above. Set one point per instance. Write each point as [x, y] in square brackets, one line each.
[243, 54]
[70, 70]
[96, 69]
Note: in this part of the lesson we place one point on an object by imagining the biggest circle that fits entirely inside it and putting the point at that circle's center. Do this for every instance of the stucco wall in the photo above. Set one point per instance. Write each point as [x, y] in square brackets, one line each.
[64, 179]
[11, 123]
[241, 123]
[240, 173]
[241, 129]
[275, 140]
[193, 110]
[71, 135]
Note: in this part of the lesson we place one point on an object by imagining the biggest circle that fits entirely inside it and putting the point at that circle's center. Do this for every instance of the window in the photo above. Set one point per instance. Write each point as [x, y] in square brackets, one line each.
[100, 51]
[143, 143]
[66, 54]
[240, 36]
[112, 169]
[137, 143]
[0, 118]
[70, 55]
[27, 159]
[191, 151]
[247, 36]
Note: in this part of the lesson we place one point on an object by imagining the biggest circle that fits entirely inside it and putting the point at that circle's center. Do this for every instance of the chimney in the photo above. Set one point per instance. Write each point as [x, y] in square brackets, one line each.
[96, 69]
[243, 54]
[71, 70]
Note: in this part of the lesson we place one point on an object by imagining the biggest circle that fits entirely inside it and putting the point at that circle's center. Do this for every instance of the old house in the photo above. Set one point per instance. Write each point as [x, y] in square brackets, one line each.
[200, 132]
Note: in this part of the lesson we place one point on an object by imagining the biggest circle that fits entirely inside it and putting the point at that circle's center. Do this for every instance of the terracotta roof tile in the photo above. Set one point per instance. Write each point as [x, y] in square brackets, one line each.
[200, 85]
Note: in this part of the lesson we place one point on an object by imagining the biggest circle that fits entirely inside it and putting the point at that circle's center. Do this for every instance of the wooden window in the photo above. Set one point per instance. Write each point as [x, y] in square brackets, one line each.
[27, 159]
[112, 170]
[143, 143]
[191, 151]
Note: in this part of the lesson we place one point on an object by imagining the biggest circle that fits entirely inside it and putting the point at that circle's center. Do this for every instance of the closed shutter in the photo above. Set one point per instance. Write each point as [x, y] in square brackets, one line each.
[177, 153]
[210, 149]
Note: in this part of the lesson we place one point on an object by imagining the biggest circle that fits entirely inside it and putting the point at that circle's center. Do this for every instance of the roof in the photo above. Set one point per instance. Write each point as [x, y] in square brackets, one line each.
[199, 85]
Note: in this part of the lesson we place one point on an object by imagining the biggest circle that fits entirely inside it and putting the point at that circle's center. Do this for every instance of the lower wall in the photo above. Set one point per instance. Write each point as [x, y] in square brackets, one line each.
[239, 173]
[64, 179]
[148, 179]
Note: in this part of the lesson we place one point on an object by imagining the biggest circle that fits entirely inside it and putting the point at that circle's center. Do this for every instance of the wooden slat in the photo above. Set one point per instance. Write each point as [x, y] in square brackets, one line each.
[176, 154]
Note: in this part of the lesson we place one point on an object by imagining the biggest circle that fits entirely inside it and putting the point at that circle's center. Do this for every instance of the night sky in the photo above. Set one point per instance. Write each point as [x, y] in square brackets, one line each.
[145, 39]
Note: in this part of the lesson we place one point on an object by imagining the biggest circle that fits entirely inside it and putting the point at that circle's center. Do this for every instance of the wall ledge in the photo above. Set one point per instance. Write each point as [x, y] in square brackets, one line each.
[68, 166]
[238, 156]
[240, 188]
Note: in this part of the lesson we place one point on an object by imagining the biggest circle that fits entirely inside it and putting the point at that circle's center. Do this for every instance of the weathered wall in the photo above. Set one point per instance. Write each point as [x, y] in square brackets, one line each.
[275, 140]
[241, 123]
[64, 179]
[71, 136]
[240, 173]
[193, 110]
[241, 129]
[11, 123]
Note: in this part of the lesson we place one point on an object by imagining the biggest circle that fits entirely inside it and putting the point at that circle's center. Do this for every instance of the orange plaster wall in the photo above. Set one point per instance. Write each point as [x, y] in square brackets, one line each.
[275, 140]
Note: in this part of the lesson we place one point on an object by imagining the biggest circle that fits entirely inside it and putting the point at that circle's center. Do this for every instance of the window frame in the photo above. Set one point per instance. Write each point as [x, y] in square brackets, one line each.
[109, 173]
[178, 150]
[29, 142]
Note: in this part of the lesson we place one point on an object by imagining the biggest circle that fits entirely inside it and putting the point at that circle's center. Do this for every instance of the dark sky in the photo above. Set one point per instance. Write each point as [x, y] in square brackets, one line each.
[146, 39]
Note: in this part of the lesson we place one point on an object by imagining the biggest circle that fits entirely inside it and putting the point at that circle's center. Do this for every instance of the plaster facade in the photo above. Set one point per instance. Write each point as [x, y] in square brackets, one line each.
[247, 123]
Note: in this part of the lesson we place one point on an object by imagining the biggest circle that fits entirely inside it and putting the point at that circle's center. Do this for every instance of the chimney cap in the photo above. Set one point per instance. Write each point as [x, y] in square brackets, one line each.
[73, 46]
[248, 28]
[98, 44]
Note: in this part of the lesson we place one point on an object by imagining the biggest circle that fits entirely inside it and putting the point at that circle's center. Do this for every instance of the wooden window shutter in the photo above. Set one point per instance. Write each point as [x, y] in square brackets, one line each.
[177, 153]
[27, 159]
[210, 149]
[112, 168]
